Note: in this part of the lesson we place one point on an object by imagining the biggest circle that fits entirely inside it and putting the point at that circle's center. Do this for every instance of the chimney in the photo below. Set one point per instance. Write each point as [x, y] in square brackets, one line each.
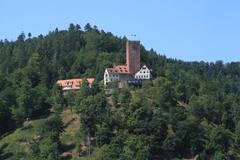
[133, 56]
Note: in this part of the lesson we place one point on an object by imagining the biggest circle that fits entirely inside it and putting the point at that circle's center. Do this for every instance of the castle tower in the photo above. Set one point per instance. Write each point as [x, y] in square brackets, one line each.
[133, 56]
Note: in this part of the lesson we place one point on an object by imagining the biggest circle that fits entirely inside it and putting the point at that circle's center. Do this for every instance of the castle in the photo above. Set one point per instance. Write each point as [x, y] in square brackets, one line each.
[129, 71]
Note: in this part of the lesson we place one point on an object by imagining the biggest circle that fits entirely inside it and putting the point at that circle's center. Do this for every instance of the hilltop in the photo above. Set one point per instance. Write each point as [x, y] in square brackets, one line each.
[189, 108]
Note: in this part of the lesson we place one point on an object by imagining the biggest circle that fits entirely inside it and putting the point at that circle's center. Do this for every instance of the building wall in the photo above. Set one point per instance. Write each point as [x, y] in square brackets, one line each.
[143, 73]
[133, 56]
[110, 77]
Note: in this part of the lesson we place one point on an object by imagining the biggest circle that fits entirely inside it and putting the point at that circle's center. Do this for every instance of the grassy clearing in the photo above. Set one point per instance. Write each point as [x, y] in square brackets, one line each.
[70, 138]
[18, 142]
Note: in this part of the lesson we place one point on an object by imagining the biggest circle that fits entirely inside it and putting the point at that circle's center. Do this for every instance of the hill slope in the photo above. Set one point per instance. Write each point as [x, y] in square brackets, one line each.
[189, 109]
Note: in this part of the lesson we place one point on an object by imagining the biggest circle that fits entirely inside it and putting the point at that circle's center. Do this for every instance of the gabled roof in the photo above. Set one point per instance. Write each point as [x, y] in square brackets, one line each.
[121, 69]
[144, 67]
[73, 84]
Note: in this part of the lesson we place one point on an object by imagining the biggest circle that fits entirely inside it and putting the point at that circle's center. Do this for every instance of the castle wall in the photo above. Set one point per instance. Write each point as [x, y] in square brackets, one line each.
[125, 77]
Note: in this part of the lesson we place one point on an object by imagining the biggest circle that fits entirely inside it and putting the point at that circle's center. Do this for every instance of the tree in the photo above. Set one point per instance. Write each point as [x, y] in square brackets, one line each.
[85, 89]
[29, 35]
[136, 147]
[47, 146]
[92, 111]
[104, 134]
[220, 140]
[219, 155]
[208, 107]
[78, 27]
[58, 99]
[87, 27]
[71, 27]
[164, 95]
[32, 101]
[33, 69]
[187, 140]
[19, 51]
[176, 115]
[6, 122]
[114, 149]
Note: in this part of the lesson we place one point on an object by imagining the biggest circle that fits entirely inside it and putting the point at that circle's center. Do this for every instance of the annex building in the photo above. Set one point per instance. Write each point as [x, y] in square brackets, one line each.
[73, 84]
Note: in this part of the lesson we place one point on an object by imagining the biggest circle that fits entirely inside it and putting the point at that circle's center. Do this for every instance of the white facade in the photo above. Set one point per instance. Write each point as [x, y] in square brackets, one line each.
[110, 77]
[143, 73]
[120, 74]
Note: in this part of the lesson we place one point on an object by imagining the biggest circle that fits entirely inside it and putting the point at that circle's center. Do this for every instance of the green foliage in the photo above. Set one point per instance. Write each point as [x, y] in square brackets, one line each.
[58, 99]
[91, 110]
[189, 109]
[47, 144]
[136, 147]
[6, 122]
[188, 139]
[220, 139]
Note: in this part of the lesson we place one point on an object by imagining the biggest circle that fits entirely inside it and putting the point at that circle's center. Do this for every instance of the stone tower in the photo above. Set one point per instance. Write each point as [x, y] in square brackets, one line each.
[133, 56]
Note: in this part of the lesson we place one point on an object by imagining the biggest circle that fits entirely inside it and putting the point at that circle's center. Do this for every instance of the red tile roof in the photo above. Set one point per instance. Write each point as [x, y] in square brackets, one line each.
[122, 69]
[73, 84]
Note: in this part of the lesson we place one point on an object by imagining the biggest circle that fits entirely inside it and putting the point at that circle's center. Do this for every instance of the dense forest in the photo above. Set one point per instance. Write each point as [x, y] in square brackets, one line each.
[189, 109]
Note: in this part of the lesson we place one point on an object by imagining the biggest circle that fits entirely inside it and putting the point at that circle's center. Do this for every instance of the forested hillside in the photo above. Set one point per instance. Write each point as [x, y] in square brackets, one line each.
[189, 109]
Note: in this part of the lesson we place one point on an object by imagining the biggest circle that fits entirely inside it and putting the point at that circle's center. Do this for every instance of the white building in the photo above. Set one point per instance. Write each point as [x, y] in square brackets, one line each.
[143, 73]
[110, 77]
[117, 73]
[130, 71]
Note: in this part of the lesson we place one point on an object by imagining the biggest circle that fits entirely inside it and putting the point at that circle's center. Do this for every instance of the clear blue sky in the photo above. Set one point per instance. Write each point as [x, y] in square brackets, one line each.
[185, 29]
